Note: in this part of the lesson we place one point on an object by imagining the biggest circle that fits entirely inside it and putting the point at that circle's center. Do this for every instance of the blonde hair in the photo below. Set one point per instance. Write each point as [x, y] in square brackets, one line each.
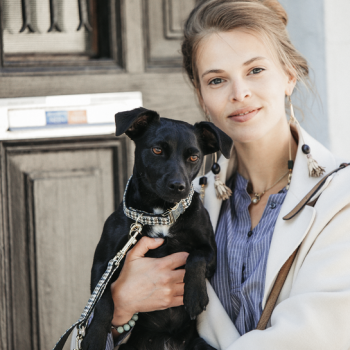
[264, 17]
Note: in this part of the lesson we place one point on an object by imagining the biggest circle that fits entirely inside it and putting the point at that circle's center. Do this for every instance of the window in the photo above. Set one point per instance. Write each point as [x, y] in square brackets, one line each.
[56, 35]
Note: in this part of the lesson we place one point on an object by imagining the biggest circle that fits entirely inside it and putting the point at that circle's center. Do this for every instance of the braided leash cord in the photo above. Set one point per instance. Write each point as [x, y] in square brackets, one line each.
[113, 265]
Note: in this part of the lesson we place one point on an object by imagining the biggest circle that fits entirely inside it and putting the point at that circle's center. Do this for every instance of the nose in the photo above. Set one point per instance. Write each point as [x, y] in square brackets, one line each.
[177, 186]
[239, 91]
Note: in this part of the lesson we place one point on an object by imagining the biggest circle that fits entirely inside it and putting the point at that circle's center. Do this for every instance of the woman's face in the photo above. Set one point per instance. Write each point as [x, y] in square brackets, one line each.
[242, 87]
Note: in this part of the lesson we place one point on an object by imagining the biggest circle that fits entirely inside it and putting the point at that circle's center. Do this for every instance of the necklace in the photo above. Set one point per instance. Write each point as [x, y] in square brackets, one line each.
[257, 196]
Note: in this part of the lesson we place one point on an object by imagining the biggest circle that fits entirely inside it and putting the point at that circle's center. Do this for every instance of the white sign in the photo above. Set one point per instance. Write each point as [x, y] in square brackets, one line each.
[62, 116]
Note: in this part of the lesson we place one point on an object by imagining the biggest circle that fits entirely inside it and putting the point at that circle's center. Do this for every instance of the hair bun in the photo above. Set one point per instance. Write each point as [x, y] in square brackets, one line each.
[276, 7]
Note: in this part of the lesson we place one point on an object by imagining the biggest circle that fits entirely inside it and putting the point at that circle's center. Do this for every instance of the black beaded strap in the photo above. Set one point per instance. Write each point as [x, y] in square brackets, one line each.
[167, 218]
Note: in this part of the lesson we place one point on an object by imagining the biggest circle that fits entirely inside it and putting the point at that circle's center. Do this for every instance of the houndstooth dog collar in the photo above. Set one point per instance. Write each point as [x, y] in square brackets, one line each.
[167, 218]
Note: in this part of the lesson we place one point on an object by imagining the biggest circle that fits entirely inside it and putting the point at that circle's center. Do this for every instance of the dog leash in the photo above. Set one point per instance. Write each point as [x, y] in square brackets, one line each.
[142, 218]
[113, 265]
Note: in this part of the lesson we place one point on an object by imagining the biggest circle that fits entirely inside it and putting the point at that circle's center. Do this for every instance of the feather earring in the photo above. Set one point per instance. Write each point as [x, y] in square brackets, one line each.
[222, 191]
[203, 181]
[315, 170]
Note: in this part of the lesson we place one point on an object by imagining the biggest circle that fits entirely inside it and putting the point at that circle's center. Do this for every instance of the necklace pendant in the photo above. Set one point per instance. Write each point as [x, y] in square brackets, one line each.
[256, 199]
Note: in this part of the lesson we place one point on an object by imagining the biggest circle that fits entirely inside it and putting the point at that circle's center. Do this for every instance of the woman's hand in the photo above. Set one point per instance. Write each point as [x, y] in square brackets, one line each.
[147, 284]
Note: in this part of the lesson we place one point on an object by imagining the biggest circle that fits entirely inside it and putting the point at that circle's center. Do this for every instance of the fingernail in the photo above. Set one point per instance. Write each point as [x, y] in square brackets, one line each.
[159, 239]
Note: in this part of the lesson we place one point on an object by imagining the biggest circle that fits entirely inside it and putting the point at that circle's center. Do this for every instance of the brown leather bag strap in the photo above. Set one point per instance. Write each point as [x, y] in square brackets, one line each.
[282, 275]
[277, 287]
[315, 189]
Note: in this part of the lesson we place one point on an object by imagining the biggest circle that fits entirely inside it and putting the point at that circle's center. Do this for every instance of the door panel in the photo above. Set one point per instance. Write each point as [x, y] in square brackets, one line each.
[67, 230]
[163, 27]
[59, 197]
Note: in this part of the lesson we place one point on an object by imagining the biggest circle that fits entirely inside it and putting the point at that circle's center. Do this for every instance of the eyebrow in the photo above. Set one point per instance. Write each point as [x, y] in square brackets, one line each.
[253, 60]
[244, 64]
[212, 71]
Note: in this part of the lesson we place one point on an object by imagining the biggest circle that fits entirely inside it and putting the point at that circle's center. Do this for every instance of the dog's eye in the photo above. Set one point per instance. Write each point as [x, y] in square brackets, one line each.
[193, 158]
[157, 150]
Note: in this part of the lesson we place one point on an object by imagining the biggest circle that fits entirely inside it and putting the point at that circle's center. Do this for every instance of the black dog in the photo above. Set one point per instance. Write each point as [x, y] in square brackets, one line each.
[168, 156]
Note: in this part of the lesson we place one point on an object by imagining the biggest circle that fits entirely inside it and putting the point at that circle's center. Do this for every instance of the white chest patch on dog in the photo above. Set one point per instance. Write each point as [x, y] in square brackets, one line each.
[159, 231]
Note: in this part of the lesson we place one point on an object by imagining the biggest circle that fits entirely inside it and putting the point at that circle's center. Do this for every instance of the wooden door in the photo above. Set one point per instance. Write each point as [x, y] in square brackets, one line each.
[59, 194]
[56, 193]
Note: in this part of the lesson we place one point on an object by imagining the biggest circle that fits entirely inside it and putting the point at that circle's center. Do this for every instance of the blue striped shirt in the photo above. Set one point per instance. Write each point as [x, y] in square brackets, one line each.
[239, 279]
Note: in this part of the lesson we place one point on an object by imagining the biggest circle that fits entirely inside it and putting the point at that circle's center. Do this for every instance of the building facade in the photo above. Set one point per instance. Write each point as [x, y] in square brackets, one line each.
[57, 189]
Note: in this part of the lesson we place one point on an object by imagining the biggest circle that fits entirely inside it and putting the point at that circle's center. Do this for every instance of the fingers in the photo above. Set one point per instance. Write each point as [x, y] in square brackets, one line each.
[177, 301]
[179, 289]
[172, 261]
[143, 246]
[176, 260]
[177, 276]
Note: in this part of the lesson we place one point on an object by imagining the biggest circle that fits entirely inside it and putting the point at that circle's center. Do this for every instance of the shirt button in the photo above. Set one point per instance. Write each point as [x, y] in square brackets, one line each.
[273, 205]
[250, 233]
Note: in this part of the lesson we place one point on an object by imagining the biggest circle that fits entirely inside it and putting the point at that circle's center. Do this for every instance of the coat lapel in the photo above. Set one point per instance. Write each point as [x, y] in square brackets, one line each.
[289, 234]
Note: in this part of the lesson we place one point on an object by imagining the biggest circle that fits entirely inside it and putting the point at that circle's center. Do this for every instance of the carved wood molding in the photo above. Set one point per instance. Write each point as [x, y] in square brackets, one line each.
[163, 28]
[83, 16]
[172, 30]
[27, 17]
[54, 16]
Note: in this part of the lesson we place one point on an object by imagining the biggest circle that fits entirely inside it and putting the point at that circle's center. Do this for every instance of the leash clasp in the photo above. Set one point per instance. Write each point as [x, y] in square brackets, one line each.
[79, 337]
[135, 230]
[136, 227]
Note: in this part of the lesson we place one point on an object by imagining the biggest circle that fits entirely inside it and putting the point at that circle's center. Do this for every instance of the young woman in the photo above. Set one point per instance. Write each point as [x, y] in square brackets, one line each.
[244, 69]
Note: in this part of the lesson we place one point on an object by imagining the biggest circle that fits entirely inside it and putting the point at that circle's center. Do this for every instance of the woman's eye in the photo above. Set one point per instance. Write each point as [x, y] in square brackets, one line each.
[215, 81]
[193, 158]
[157, 150]
[256, 70]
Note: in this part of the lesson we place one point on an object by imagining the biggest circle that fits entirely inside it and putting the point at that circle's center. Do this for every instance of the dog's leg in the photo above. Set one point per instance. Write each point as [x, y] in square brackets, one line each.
[96, 333]
[195, 295]
[199, 344]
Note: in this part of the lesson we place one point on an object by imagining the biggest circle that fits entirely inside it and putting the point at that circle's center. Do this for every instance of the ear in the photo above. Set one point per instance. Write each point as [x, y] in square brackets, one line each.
[133, 123]
[213, 139]
[292, 80]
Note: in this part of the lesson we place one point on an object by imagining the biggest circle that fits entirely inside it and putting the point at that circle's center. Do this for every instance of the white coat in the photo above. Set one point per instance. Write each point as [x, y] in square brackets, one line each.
[313, 309]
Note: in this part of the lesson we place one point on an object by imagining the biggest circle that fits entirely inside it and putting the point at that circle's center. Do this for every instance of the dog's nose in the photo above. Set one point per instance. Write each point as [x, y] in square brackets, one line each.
[177, 186]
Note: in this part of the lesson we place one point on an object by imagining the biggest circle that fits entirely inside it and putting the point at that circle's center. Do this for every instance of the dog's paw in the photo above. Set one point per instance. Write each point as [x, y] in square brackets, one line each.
[195, 300]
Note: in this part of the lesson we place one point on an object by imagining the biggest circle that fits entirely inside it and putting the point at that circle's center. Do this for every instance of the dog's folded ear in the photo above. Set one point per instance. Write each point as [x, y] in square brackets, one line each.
[133, 123]
[213, 139]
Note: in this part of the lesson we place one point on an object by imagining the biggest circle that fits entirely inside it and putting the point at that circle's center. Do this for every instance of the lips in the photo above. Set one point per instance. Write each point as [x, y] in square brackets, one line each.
[244, 114]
